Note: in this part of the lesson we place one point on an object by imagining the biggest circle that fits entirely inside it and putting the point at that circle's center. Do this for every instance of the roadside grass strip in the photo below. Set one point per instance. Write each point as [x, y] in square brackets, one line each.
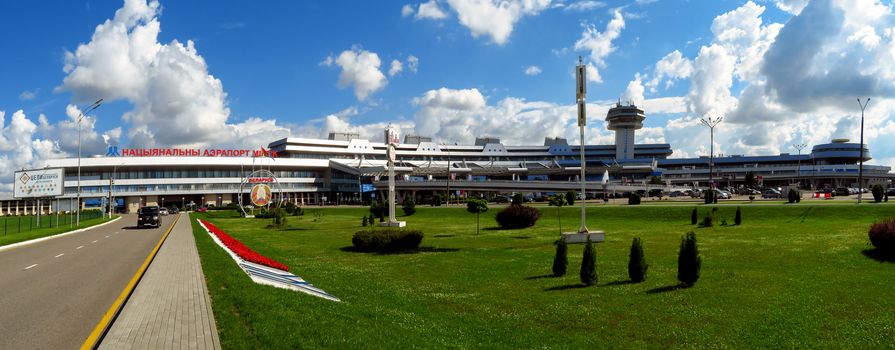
[262, 270]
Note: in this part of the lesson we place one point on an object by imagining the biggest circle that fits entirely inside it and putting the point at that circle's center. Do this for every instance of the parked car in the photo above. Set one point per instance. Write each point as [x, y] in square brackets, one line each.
[163, 211]
[721, 194]
[678, 194]
[891, 192]
[149, 216]
[842, 191]
[771, 193]
[173, 210]
[202, 209]
[656, 192]
[501, 199]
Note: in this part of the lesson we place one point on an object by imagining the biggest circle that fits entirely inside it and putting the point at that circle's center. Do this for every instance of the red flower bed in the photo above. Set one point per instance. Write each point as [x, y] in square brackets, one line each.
[241, 250]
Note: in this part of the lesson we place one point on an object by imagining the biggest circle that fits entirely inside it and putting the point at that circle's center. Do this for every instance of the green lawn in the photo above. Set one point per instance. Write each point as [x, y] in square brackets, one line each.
[14, 229]
[789, 276]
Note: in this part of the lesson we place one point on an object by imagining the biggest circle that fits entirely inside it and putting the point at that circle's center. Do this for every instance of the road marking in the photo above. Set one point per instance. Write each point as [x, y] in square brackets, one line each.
[95, 241]
[30, 266]
[107, 236]
[59, 255]
[104, 324]
[79, 247]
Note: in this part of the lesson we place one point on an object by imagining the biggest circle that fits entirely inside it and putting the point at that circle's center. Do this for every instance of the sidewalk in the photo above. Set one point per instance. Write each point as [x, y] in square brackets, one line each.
[170, 308]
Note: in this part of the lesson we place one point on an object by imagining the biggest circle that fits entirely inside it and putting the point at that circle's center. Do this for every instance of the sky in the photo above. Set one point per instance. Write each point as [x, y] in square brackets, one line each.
[236, 74]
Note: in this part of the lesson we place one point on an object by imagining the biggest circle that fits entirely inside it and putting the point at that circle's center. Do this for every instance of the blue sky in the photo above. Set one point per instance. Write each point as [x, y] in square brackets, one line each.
[302, 68]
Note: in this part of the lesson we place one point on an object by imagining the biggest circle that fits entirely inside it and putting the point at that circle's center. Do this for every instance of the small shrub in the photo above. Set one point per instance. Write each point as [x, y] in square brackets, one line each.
[693, 217]
[886, 197]
[518, 199]
[558, 201]
[517, 216]
[387, 240]
[561, 260]
[637, 265]
[588, 272]
[738, 218]
[723, 222]
[708, 196]
[792, 195]
[882, 235]
[634, 199]
[570, 197]
[279, 217]
[364, 222]
[381, 219]
[707, 221]
[436, 200]
[878, 192]
[370, 220]
[289, 207]
[688, 260]
[409, 206]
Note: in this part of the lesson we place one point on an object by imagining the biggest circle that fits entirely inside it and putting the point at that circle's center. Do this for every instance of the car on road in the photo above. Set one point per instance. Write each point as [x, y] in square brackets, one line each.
[891, 191]
[149, 216]
[174, 210]
[771, 193]
[163, 211]
[843, 191]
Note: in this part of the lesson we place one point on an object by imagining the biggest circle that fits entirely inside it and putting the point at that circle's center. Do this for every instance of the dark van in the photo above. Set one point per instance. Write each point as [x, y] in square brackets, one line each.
[149, 216]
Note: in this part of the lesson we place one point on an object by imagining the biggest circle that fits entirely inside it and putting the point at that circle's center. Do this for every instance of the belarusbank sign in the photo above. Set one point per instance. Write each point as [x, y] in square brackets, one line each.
[188, 152]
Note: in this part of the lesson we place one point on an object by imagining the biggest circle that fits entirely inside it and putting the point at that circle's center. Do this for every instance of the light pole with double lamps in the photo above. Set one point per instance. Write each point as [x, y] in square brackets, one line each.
[89, 109]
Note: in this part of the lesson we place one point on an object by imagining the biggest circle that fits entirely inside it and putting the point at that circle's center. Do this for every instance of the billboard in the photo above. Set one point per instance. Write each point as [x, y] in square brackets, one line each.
[38, 183]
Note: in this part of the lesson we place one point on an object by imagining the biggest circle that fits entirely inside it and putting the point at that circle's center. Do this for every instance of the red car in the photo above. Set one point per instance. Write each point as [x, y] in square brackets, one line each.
[202, 209]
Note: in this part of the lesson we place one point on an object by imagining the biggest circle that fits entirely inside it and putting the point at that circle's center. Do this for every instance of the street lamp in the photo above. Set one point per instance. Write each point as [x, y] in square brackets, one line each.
[112, 183]
[90, 108]
[861, 160]
[448, 150]
[182, 202]
[711, 123]
[799, 147]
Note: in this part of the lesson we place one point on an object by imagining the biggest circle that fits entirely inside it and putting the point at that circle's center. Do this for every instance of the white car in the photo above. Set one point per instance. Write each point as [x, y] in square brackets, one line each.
[163, 211]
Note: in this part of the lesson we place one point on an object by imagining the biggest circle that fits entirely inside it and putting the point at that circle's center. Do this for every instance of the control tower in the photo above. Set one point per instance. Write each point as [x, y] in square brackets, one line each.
[624, 120]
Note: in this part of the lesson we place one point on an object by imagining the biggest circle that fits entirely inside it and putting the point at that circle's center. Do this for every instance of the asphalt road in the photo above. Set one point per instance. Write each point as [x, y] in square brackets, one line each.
[53, 293]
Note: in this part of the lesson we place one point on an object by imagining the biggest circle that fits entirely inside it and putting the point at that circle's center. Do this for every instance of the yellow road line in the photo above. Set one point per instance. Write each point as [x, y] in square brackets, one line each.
[102, 327]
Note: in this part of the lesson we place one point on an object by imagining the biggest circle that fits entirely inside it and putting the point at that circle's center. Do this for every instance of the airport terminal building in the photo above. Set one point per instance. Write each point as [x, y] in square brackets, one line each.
[345, 169]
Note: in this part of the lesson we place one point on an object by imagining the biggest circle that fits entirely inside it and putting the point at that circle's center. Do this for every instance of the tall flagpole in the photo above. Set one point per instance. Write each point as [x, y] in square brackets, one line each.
[581, 96]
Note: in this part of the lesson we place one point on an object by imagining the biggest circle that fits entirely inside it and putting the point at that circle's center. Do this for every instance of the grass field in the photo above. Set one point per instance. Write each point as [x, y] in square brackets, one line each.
[14, 229]
[789, 277]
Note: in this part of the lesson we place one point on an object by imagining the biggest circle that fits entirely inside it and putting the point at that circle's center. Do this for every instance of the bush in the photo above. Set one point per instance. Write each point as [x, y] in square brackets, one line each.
[737, 219]
[570, 197]
[364, 222]
[707, 221]
[518, 199]
[436, 200]
[792, 195]
[693, 216]
[517, 216]
[634, 199]
[561, 260]
[558, 201]
[387, 240]
[370, 220]
[290, 208]
[882, 235]
[688, 260]
[409, 206]
[279, 217]
[637, 265]
[589, 264]
[878, 192]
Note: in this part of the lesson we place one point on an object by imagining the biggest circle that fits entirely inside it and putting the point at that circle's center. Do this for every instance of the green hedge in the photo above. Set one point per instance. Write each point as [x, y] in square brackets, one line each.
[387, 240]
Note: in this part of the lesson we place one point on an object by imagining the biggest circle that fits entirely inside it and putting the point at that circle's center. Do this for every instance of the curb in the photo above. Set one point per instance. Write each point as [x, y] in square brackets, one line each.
[38, 240]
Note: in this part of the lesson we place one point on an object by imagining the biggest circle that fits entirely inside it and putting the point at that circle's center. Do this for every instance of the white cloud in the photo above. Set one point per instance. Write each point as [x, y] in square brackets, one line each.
[711, 81]
[28, 95]
[634, 91]
[413, 63]
[671, 67]
[360, 69]
[493, 18]
[430, 10]
[532, 70]
[585, 5]
[593, 74]
[406, 10]
[396, 67]
[175, 100]
[791, 6]
[599, 44]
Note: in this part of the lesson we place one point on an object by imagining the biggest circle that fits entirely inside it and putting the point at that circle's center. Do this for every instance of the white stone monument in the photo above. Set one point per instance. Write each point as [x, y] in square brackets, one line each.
[391, 139]
[583, 233]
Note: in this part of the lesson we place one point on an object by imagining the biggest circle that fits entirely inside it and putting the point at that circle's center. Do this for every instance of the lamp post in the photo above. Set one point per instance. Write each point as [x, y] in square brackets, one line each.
[448, 190]
[90, 108]
[182, 202]
[711, 123]
[799, 147]
[112, 183]
[861, 160]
